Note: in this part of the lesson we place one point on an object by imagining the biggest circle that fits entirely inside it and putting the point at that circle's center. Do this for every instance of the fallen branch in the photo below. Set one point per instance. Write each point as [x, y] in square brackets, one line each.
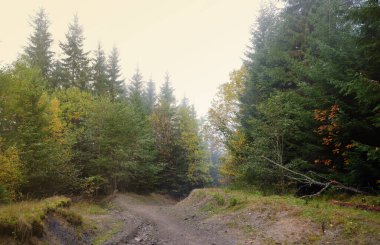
[302, 178]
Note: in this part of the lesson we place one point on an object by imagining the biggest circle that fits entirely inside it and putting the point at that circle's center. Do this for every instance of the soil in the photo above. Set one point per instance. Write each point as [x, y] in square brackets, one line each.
[155, 219]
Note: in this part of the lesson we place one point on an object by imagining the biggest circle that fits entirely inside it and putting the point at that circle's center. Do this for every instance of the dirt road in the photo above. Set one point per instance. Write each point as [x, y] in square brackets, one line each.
[156, 220]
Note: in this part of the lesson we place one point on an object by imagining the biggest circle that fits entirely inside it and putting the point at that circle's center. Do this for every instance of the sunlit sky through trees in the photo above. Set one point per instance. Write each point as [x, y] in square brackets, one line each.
[199, 42]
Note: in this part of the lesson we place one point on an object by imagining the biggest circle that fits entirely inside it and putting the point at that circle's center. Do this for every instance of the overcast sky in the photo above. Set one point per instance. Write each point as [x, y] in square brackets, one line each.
[199, 42]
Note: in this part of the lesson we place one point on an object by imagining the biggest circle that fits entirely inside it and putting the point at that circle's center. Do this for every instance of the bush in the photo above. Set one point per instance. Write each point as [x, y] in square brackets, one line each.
[232, 202]
[4, 196]
[91, 185]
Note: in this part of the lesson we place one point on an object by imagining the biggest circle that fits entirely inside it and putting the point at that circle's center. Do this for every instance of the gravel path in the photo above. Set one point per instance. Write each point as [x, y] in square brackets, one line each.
[155, 220]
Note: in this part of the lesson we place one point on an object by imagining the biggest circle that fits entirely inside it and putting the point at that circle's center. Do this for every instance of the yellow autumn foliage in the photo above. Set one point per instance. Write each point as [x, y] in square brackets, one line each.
[11, 173]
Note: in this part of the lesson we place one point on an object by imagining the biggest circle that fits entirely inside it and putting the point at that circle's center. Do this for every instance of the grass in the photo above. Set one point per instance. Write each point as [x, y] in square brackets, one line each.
[105, 236]
[24, 219]
[350, 222]
[88, 208]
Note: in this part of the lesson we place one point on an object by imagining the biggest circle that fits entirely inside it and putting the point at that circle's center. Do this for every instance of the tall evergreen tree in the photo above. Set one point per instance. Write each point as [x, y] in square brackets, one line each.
[136, 91]
[150, 95]
[192, 165]
[76, 62]
[38, 49]
[117, 87]
[164, 129]
[99, 73]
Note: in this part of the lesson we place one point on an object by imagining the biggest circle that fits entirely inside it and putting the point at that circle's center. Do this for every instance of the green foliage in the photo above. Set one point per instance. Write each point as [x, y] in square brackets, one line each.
[310, 97]
[99, 73]
[31, 123]
[39, 45]
[11, 175]
[91, 185]
[75, 64]
[119, 146]
[219, 199]
[117, 89]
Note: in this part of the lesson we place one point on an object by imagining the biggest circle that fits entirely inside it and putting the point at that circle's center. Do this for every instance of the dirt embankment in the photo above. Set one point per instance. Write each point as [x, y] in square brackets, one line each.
[208, 216]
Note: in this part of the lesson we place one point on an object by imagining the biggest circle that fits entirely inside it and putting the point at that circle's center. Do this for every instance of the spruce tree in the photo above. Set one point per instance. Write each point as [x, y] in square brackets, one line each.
[101, 84]
[117, 88]
[76, 62]
[38, 49]
[135, 91]
[150, 95]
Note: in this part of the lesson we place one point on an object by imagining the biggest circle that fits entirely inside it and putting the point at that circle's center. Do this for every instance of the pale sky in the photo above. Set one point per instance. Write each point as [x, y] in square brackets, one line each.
[199, 42]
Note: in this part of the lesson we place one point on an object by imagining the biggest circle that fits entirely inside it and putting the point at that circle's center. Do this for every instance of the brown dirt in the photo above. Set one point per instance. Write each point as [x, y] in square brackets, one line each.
[157, 221]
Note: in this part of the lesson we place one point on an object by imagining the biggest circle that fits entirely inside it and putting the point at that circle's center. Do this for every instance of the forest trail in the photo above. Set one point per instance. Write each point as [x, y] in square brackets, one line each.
[155, 219]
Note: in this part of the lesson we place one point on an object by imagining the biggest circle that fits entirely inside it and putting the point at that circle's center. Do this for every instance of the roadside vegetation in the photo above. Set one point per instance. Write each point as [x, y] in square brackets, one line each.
[325, 220]
[24, 219]
[298, 123]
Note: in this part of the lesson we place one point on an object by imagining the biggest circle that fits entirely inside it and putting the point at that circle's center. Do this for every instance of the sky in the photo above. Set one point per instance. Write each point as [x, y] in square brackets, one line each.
[198, 42]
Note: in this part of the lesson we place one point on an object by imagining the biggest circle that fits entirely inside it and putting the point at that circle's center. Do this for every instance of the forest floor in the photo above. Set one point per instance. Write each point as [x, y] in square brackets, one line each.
[211, 216]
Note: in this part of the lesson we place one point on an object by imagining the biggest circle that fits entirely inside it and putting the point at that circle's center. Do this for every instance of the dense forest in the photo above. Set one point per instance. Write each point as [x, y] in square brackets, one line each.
[73, 125]
[304, 109]
[302, 113]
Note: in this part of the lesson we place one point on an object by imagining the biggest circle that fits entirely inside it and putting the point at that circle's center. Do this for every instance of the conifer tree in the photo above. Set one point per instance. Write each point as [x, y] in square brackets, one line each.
[136, 92]
[38, 49]
[117, 88]
[76, 62]
[150, 95]
[99, 73]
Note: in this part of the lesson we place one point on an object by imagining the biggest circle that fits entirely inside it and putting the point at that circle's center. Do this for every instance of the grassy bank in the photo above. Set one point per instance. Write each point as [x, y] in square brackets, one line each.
[326, 220]
[24, 219]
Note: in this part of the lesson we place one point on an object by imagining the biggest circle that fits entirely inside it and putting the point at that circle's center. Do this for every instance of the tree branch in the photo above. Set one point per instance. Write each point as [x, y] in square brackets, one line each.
[302, 178]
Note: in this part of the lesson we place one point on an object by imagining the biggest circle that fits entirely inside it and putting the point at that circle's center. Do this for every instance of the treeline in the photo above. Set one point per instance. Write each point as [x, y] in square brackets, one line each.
[307, 98]
[71, 125]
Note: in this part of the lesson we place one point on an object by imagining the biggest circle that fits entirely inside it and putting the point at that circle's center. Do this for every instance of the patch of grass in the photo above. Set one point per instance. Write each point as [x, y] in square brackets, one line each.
[70, 216]
[105, 236]
[249, 229]
[24, 219]
[353, 223]
[89, 208]
[232, 202]
[219, 199]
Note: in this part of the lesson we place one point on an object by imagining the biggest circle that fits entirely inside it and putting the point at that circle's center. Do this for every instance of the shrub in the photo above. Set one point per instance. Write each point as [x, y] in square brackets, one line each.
[219, 198]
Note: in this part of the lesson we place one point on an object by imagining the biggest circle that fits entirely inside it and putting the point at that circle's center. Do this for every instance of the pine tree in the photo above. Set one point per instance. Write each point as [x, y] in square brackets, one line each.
[58, 75]
[136, 92]
[39, 45]
[192, 164]
[117, 88]
[76, 61]
[150, 95]
[99, 73]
